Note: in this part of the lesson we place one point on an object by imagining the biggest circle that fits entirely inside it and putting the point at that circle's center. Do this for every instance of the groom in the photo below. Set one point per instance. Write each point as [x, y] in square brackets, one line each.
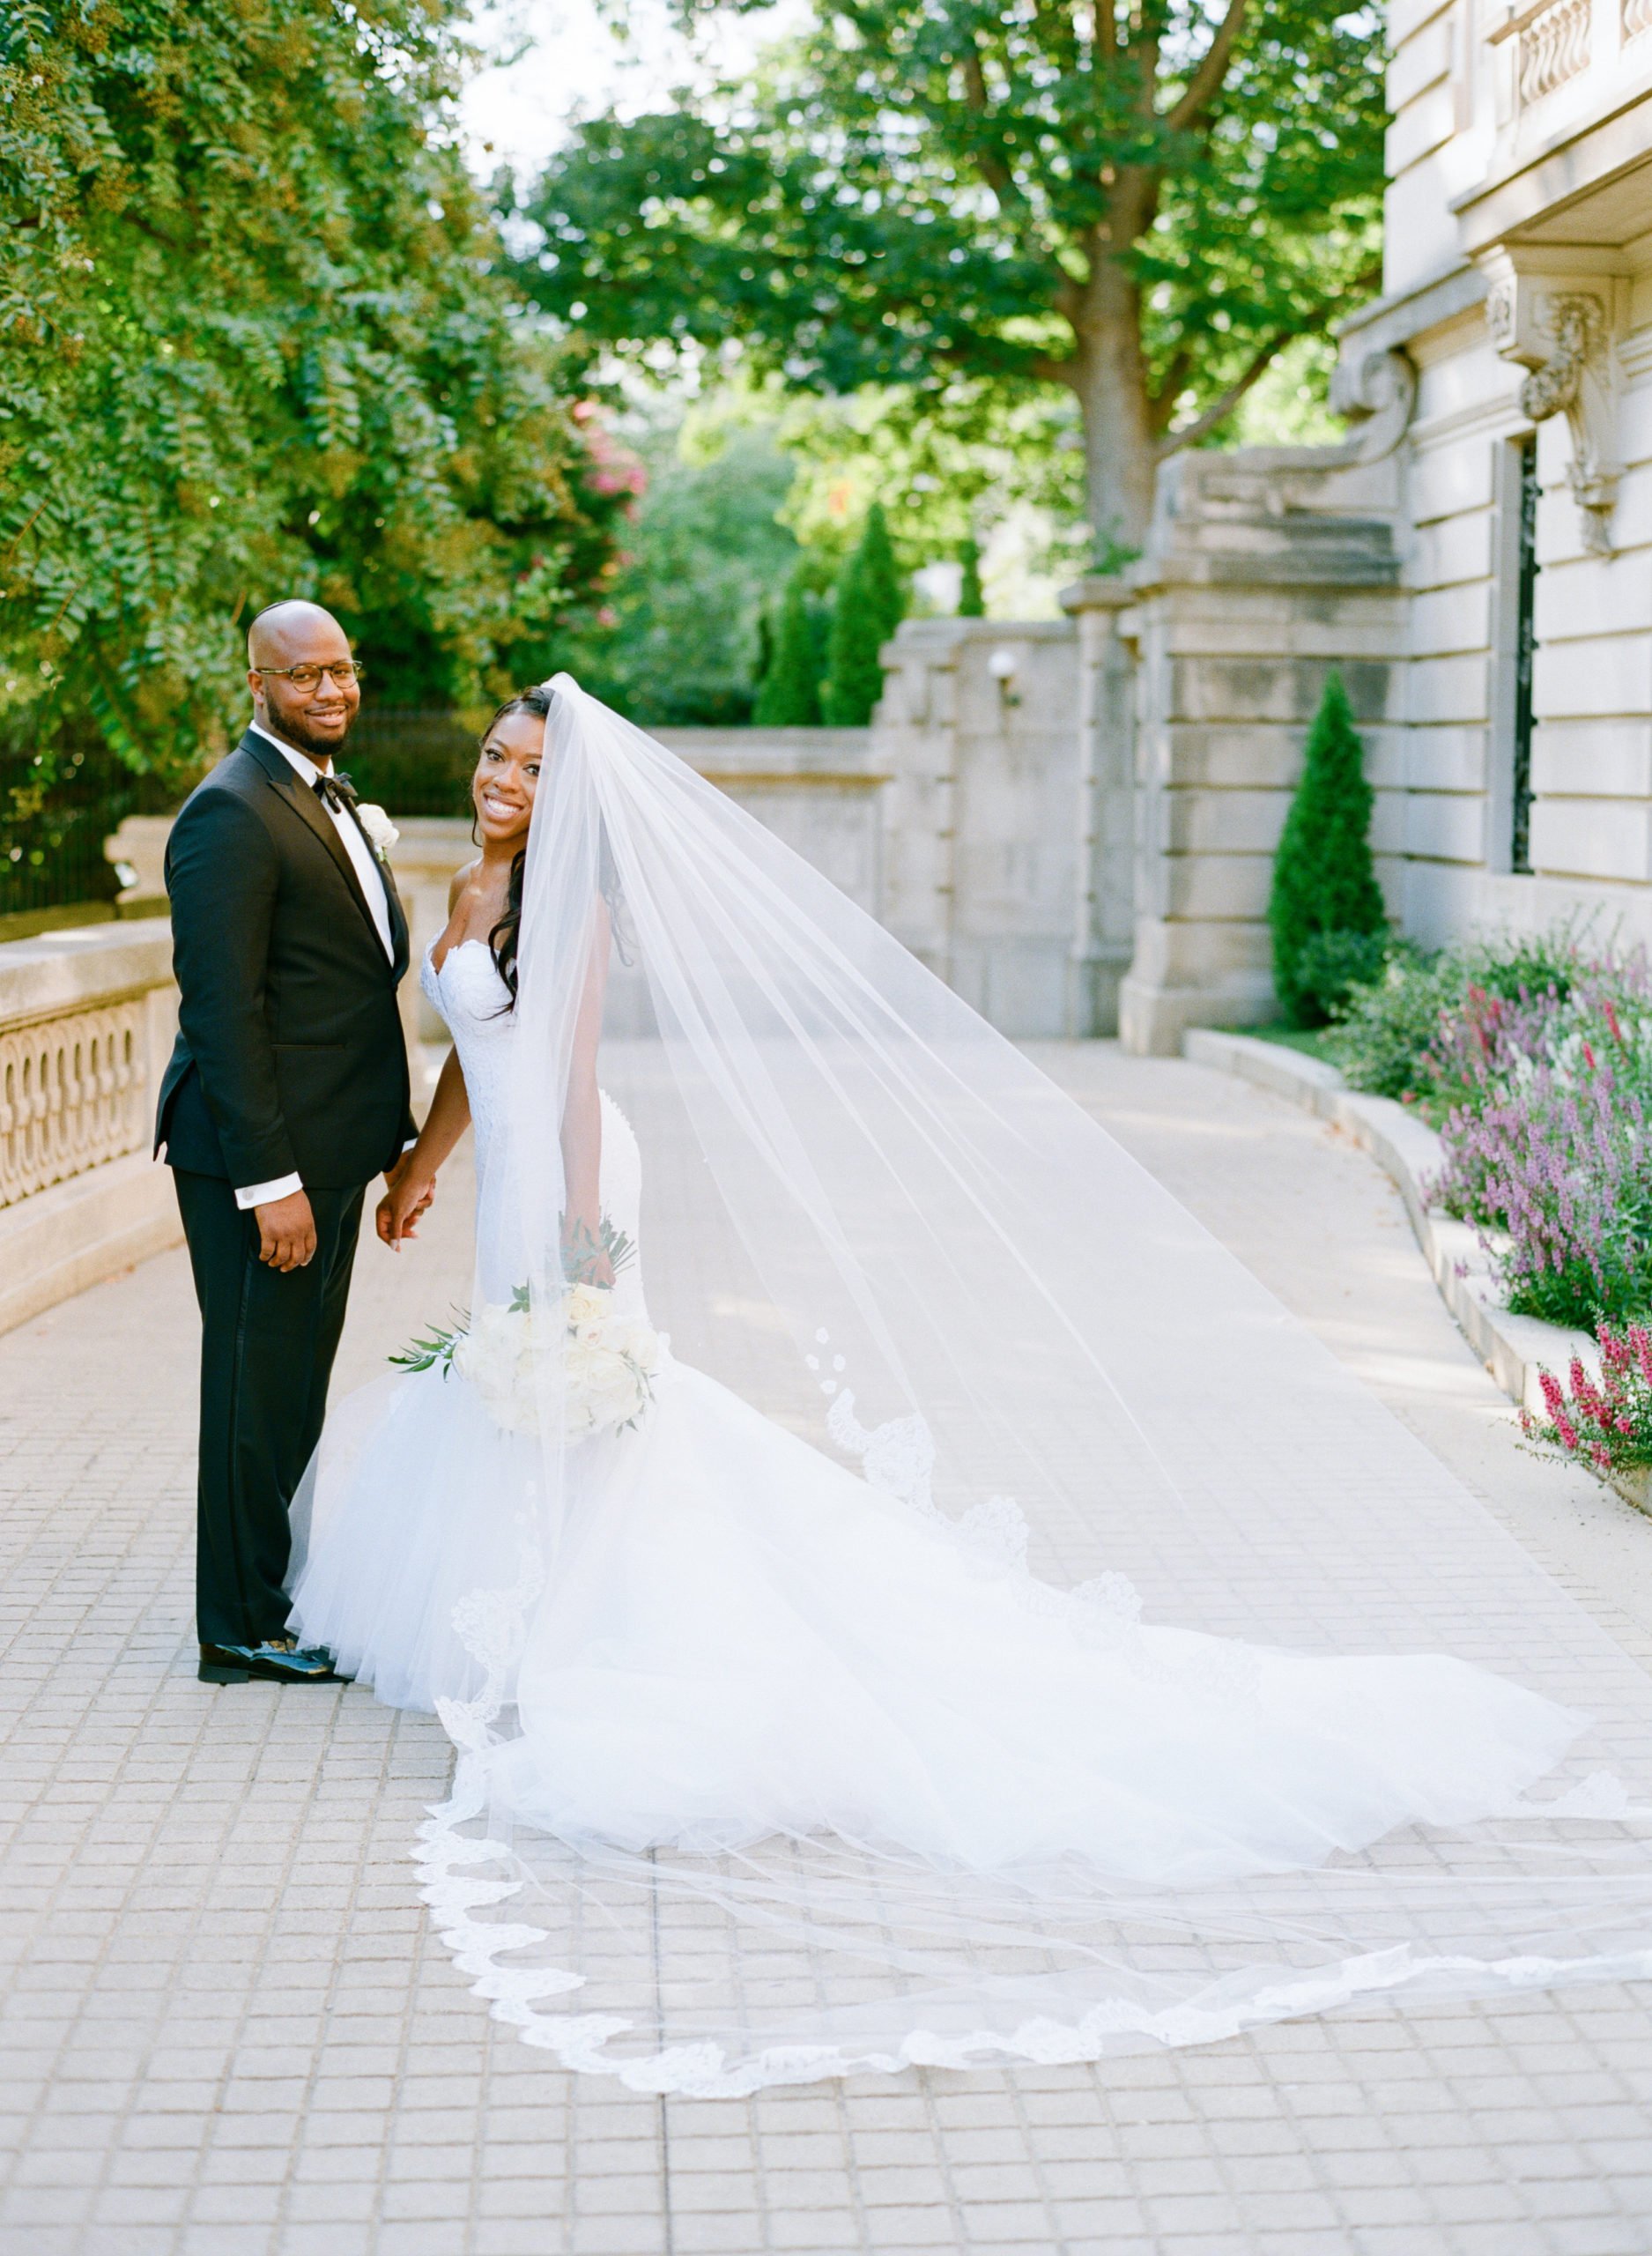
[287, 1091]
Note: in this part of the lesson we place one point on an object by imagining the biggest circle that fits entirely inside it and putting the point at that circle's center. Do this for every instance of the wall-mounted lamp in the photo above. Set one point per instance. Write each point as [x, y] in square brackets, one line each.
[1001, 664]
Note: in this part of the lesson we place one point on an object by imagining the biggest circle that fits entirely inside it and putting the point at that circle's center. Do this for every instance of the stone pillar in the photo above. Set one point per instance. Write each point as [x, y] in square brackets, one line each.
[978, 733]
[1265, 569]
[1104, 917]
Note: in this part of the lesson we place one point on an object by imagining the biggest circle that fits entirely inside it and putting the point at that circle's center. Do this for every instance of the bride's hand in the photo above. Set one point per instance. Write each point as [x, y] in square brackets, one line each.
[409, 1193]
[585, 1259]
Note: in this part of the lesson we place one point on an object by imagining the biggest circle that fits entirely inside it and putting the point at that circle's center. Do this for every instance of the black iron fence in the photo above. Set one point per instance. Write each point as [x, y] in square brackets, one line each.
[412, 763]
[56, 808]
[53, 819]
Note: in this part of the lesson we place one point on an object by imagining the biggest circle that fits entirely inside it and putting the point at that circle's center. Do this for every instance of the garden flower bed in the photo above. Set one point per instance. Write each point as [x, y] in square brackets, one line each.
[1506, 1088]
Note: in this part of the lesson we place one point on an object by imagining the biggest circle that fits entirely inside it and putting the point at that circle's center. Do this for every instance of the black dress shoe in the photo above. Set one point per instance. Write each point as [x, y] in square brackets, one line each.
[277, 1660]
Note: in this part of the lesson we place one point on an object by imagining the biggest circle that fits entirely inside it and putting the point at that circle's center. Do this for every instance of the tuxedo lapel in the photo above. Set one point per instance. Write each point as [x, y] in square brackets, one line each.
[311, 813]
[400, 942]
[400, 949]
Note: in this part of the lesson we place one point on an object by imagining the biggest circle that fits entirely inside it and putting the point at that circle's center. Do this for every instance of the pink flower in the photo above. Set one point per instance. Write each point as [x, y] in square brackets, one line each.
[1566, 1429]
[1641, 1340]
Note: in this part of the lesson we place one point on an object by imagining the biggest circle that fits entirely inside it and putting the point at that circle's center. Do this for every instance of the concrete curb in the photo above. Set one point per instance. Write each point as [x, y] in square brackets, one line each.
[1516, 1349]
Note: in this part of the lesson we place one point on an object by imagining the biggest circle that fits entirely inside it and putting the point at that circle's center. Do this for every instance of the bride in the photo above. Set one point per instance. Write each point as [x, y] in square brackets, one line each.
[763, 1712]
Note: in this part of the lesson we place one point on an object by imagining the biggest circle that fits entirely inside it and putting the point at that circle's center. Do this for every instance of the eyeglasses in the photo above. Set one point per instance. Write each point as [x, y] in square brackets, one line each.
[346, 672]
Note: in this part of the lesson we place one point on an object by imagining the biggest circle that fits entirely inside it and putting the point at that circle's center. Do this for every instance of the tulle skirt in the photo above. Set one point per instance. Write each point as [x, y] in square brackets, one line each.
[739, 1636]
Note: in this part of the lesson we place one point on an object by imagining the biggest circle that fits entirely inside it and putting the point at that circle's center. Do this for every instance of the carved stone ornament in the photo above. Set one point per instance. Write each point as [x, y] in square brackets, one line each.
[1559, 327]
[1376, 391]
[1499, 315]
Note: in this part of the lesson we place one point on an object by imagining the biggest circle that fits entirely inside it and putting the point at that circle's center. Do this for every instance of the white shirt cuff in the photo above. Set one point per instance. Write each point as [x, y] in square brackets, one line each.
[260, 1194]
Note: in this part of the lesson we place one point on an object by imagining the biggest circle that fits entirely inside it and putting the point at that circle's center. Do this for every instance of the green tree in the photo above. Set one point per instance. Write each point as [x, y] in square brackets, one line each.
[1140, 203]
[1324, 879]
[971, 602]
[869, 607]
[259, 338]
[789, 695]
[677, 644]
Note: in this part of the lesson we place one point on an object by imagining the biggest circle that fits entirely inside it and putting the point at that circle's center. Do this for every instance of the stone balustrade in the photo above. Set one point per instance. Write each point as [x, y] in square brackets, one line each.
[86, 1021]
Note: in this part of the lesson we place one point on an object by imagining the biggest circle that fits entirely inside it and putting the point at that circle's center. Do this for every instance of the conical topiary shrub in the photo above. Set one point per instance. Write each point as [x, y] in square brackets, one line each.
[869, 608]
[971, 602]
[788, 696]
[1324, 879]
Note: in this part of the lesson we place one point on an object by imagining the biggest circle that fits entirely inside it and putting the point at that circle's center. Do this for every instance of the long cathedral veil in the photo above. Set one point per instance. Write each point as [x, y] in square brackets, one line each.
[870, 1215]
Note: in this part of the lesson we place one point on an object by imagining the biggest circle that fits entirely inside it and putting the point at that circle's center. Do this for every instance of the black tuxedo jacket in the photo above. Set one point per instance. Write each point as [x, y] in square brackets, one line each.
[290, 1057]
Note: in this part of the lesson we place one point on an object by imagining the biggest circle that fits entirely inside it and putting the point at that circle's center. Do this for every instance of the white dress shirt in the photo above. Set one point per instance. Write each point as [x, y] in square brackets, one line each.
[368, 877]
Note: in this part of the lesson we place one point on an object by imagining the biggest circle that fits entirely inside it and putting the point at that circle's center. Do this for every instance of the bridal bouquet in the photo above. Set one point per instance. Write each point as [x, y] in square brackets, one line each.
[609, 1363]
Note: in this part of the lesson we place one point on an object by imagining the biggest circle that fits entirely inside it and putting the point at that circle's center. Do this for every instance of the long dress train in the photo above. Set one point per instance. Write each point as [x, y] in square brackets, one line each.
[744, 1638]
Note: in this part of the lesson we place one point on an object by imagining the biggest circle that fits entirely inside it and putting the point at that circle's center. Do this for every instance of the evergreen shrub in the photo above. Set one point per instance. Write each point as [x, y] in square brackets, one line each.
[1324, 879]
[870, 606]
[788, 696]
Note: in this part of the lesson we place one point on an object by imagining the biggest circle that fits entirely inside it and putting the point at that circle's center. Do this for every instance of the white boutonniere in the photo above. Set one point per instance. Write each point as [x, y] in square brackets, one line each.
[381, 832]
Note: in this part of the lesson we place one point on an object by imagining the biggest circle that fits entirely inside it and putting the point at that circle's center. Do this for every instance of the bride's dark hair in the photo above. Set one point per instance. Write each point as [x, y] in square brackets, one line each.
[505, 935]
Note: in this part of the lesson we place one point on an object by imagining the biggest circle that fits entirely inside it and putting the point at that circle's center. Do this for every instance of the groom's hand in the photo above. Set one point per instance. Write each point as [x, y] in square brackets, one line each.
[286, 1232]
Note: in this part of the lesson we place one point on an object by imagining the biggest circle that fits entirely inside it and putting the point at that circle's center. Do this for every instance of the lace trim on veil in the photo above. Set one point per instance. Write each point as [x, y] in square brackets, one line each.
[898, 1459]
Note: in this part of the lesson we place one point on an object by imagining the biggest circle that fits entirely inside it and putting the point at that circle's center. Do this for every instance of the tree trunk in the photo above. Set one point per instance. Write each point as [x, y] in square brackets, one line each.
[1109, 376]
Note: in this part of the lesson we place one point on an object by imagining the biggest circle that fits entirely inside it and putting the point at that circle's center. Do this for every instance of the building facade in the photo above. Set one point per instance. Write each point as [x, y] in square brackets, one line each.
[1478, 560]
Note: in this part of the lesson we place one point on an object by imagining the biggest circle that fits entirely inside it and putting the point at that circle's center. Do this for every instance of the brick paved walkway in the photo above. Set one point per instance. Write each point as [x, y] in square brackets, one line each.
[227, 2032]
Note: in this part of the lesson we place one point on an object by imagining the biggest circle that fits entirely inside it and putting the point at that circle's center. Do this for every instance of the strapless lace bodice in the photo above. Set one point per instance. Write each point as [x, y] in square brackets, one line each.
[473, 999]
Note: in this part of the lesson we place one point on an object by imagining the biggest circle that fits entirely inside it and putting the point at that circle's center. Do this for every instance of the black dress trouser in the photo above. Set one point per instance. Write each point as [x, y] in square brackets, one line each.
[267, 1348]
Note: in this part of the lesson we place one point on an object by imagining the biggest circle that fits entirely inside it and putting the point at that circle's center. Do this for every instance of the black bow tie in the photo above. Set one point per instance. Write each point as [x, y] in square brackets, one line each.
[337, 790]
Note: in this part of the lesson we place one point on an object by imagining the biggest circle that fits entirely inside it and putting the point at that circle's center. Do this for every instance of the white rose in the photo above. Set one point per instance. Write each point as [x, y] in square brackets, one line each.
[381, 833]
[586, 1308]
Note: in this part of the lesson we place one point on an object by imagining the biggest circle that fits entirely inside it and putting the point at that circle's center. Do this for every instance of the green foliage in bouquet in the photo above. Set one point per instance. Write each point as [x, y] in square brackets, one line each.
[435, 1347]
[581, 1252]
[1324, 879]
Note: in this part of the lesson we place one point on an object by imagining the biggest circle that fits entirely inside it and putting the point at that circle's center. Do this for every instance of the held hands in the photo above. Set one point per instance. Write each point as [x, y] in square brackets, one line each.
[407, 1194]
[286, 1232]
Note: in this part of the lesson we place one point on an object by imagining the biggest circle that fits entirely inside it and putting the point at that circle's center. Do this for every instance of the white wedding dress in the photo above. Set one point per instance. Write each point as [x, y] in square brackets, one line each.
[792, 1771]
[747, 1637]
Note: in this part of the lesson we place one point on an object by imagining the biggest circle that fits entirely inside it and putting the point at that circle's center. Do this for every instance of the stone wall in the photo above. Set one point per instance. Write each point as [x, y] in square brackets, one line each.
[86, 1022]
[1004, 815]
